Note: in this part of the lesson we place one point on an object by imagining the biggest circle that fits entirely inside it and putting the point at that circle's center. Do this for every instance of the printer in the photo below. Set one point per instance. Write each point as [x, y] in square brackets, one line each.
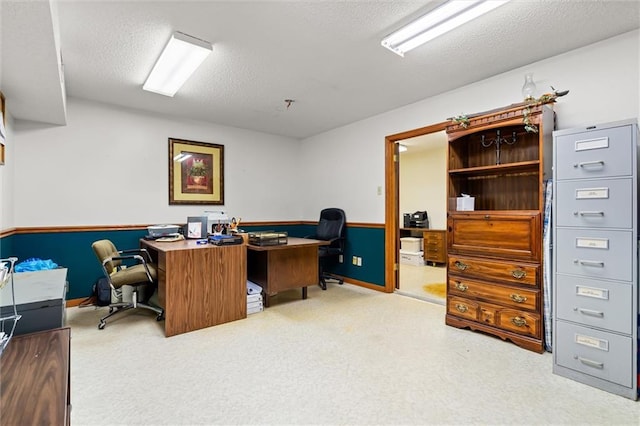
[419, 219]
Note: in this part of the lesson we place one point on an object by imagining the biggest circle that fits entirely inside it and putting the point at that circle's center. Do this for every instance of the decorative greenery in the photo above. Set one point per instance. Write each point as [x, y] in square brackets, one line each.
[198, 168]
[461, 120]
[526, 119]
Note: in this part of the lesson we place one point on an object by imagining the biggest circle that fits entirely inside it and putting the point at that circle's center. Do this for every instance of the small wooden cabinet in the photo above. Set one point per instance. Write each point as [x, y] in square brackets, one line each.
[494, 252]
[435, 246]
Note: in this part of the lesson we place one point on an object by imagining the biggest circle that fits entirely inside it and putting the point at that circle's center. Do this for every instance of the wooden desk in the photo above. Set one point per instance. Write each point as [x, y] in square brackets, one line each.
[35, 384]
[284, 267]
[199, 285]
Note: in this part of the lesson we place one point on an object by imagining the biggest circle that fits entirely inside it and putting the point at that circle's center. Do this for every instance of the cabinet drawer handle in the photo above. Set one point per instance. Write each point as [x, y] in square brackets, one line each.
[462, 308]
[590, 363]
[589, 163]
[589, 213]
[590, 312]
[589, 263]
[461, 265]
[460, 286]
[518, 274]
[518, 299]
[519, 321]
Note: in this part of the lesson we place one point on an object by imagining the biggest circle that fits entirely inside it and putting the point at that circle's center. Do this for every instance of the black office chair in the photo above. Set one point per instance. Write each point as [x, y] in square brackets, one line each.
[139, 272]
[331, 227]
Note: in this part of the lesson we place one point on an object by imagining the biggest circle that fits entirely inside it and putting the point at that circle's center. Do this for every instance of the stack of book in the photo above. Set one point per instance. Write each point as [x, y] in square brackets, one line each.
[254, 298]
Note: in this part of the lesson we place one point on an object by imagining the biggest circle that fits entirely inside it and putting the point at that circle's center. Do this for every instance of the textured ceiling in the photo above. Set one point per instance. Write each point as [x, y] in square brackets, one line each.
[324, 54]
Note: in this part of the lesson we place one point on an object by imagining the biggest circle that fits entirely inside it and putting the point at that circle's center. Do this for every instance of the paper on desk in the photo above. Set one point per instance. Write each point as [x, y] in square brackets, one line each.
[253, 288]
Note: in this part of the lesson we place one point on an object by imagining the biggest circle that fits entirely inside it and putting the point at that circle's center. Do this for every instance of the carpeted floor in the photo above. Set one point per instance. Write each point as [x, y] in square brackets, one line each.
[345, 356]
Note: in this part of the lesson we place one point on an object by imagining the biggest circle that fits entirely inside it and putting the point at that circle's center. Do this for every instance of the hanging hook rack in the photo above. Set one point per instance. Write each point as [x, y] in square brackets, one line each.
[498, 141]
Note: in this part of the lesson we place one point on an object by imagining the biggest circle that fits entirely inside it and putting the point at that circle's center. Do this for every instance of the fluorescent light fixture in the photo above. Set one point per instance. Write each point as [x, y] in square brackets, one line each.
[440, 20]
[402, 148]
[181, 56]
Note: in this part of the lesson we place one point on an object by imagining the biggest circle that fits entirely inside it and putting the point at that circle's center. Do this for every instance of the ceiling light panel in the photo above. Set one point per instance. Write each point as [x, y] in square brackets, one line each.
[442, 19]
[182, 55]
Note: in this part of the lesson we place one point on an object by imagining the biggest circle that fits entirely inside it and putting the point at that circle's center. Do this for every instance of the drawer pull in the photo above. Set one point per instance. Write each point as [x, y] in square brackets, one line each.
[460, 286]
[462, 308]
[518, 274]
[519, 321]
[589, 163]
[590, 312]
[590, 363]
[588, 213]
[589, 263]
[461, 265]
[518, 299]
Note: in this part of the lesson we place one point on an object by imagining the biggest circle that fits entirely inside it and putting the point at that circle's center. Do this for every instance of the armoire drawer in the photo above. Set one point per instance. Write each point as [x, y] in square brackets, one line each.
[604, 203]
[515, 234]
[595, 154]
[607, 356]
[594, 253]
[508, 272]
[519, 322]
[597, 303]
[463, 308]
[515, 297]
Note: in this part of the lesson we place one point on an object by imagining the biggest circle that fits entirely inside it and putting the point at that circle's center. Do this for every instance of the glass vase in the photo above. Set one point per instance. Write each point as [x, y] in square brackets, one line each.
[529, 87]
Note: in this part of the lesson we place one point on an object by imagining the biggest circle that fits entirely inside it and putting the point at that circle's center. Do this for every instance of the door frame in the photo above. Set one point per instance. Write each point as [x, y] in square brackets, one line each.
[392, 200]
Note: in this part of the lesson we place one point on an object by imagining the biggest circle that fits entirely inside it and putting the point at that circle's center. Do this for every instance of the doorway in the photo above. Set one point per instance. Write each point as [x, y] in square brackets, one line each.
[422, 214]
[392, 200]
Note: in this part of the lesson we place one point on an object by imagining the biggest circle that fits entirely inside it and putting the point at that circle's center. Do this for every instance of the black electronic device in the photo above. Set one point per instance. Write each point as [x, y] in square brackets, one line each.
[225, 240]
[407, 220]
[419, 219]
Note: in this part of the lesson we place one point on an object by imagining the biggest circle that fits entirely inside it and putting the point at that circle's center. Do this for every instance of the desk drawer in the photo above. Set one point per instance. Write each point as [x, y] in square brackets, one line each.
[594, 253]
[600, 354]
[595, 203]
[597, 303]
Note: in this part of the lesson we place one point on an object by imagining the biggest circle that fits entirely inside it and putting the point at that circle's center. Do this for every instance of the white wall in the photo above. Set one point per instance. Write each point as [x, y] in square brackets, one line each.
[109, 165]
[344, 167]
[423, 184]
[6, 175]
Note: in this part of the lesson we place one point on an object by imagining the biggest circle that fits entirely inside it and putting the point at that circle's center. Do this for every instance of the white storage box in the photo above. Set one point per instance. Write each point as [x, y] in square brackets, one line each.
[415, 258]
[411, 244]
[34, 286]
[465, 203]
[162, 230]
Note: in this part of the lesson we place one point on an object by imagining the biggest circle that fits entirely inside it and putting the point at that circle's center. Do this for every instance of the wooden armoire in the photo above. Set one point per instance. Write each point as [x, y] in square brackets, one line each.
[494, 252]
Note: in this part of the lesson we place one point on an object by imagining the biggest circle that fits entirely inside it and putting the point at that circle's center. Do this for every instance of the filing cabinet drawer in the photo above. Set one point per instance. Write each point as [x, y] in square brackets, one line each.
[597, 303]
[600, 354]
[595, 203]
[505, 295]
[599, 153]
[595, 253]
[485, 269]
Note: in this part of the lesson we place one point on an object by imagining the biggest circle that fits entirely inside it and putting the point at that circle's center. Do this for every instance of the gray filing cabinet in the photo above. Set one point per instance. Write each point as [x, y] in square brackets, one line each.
[595, 256]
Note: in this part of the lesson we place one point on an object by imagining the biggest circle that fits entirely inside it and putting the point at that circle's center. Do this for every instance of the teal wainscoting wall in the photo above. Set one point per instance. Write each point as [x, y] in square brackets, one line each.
[72, 250]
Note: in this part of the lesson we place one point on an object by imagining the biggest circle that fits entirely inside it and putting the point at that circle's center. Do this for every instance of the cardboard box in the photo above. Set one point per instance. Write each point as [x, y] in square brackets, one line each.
[412, 258]
[411, 244]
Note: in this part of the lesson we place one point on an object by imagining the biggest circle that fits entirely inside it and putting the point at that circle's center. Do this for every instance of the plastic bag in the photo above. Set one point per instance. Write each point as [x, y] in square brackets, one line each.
[35, 264]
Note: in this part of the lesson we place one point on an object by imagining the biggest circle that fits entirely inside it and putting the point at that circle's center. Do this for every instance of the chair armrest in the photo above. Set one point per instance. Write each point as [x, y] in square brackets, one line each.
[138, 251]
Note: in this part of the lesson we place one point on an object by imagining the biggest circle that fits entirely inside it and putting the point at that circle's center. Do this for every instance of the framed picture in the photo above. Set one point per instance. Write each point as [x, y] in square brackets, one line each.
[196, 172]
[2, 129]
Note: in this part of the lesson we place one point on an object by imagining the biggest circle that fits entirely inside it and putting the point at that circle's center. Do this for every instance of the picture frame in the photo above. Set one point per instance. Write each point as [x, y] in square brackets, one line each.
[196, 172]
[2, 129]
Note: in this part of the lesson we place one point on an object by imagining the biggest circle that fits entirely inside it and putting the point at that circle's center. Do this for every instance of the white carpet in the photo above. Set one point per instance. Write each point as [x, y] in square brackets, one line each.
[343, 356]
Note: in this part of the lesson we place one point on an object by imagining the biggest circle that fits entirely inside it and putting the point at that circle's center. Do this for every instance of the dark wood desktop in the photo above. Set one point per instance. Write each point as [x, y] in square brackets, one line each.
[282, 267]
[35, 384]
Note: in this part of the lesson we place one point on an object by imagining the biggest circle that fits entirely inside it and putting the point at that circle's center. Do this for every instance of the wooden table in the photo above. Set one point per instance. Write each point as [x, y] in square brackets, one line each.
[283, 267]
[199, 285]
[35, 384]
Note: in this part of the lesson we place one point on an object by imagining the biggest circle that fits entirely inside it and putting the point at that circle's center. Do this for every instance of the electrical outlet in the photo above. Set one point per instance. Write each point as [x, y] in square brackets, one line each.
[359, 261]
[379, 190]
[340, 258]
[354, 260]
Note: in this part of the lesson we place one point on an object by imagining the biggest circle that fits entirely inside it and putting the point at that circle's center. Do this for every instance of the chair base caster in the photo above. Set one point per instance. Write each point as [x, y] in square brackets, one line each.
[160, 317]
[101, 325]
